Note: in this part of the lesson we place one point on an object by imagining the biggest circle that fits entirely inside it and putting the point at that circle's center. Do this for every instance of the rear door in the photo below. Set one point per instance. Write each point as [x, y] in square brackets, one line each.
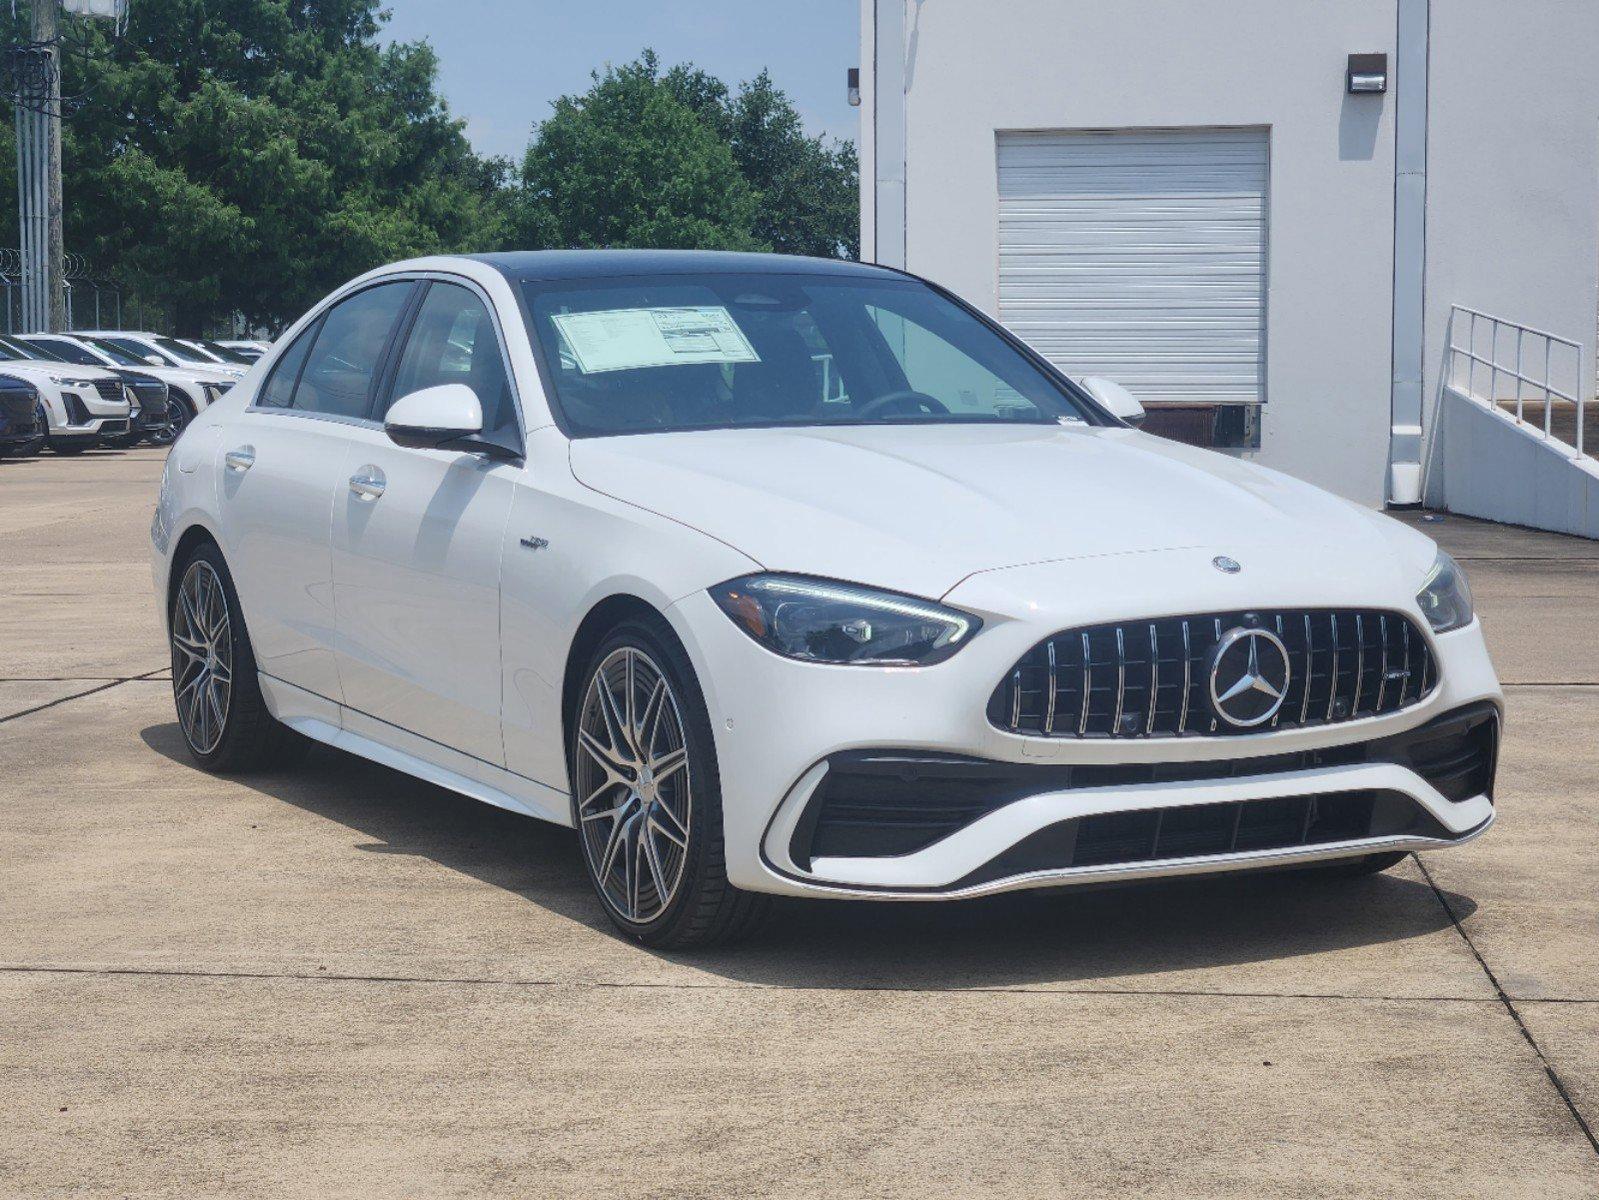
[280, 473]
[417, 536]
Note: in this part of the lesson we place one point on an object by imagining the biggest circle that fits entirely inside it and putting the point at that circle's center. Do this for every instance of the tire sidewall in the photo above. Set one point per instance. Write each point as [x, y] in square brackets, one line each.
[655, 638]
[239, 643]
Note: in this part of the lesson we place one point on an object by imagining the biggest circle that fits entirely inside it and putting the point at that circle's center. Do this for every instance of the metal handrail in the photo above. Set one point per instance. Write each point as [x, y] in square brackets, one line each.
[1525, 372]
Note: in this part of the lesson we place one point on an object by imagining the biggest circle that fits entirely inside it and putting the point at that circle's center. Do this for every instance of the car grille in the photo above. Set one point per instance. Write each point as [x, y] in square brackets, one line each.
[1201, 831]
[888, 801]
[1142, 679]
[109, 389]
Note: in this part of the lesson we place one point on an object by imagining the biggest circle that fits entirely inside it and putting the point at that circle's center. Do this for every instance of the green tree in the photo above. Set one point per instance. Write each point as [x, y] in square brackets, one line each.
[628, 163]
[249, 155]
[646, 158]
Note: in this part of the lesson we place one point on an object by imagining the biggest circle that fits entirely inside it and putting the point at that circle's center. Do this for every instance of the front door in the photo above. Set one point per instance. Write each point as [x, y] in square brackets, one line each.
[416, 544]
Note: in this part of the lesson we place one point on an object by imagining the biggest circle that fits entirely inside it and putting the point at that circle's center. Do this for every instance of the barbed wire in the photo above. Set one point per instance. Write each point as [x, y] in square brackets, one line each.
[32, 69]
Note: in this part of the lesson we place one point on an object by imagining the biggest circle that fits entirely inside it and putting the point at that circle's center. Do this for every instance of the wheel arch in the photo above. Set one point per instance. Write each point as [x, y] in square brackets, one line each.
[597, 622]
[197, 534]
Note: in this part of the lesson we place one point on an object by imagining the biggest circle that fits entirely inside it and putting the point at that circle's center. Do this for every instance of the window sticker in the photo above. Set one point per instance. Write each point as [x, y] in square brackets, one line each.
[626, 339]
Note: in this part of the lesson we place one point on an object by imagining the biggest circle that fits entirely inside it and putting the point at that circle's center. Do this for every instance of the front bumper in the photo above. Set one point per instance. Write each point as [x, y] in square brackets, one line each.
[781, 727]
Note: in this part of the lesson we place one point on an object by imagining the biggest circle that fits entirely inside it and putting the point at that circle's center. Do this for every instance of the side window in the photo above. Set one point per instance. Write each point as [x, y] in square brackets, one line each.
[278, 390]
[338, 371]
[453, 341]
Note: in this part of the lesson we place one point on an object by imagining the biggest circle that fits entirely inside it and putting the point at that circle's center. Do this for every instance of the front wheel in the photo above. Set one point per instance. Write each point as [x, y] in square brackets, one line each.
[647, 796]
[224, 718]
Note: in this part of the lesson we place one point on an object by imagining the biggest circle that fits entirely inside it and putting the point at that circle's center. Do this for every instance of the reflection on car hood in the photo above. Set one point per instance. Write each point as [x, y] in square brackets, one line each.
[919, 508]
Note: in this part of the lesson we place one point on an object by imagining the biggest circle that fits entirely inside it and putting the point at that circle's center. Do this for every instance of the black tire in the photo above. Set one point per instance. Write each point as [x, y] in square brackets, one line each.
[179, 413]
[248, 737]
[1356, 868]
[704, 908]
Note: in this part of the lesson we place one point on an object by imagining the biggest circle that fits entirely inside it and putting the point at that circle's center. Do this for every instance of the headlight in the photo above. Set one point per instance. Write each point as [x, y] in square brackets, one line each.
[1445, 597]
[70, 381]
[817, 620]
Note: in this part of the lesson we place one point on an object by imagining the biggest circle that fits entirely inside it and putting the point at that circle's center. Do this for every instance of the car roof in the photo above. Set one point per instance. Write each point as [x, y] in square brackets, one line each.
[592, 264]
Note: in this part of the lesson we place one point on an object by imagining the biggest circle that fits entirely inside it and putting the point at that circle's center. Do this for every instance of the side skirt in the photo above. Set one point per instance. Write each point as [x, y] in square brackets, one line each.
[321, 720]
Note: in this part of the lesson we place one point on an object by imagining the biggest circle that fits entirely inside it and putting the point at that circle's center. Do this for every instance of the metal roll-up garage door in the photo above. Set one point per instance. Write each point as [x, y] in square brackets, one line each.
[1139, 255]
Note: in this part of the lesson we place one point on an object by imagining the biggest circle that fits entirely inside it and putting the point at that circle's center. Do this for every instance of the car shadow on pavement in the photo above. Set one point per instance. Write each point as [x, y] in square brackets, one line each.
[1018, 939]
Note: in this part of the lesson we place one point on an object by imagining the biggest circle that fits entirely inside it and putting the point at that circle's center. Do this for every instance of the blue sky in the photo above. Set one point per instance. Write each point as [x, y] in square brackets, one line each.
[501, 62]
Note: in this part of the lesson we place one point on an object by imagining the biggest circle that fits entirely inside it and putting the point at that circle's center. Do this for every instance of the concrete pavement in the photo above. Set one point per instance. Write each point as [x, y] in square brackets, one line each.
[339, 981]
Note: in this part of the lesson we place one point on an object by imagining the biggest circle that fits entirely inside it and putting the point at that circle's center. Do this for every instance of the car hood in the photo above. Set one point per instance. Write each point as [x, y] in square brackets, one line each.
[188, 375]
[919, 508]
[39, 370]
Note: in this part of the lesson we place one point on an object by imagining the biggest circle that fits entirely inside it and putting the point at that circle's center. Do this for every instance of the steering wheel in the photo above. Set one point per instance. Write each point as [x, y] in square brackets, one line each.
[907, 399]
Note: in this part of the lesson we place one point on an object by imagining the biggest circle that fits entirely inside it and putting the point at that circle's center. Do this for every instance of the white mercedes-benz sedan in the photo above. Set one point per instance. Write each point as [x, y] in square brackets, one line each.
[780, 575]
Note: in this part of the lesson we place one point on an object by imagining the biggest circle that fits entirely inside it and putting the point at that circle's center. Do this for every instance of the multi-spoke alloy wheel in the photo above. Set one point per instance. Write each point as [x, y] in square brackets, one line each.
[635, 807]
[202, 656]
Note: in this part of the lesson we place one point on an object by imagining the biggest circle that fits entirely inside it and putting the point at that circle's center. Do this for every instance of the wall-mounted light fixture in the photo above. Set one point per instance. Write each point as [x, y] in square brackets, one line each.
[1367, 73]
[854, 87]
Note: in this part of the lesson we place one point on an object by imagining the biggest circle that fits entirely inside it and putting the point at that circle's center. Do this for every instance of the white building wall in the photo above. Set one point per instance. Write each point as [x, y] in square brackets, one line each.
[974, 68]
[1513, 170]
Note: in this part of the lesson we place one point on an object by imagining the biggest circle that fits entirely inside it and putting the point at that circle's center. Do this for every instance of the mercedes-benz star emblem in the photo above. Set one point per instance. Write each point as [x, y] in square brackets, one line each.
[1249, 674]
[1222, 563]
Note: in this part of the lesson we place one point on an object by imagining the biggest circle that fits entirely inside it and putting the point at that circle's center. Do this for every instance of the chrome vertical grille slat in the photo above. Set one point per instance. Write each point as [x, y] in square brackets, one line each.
[1310, 672]
[1382, 682]
[1088, 685]
[1328, 683]
[1154, 678]
[1049, 716]
[1360, 662]
[1188, 682]
[1121, 681]
[1332, 684]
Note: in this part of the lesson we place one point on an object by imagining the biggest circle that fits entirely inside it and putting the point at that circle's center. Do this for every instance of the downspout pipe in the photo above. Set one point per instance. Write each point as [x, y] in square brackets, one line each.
[1410, 250]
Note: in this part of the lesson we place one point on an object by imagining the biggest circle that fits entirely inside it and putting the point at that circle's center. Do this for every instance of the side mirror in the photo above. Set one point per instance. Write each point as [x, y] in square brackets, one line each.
[155, 360]
[434, 417]
[1116, 398]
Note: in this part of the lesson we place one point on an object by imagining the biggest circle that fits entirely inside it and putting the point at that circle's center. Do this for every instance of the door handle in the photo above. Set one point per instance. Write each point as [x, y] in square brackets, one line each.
[367, 483]
[240, 460]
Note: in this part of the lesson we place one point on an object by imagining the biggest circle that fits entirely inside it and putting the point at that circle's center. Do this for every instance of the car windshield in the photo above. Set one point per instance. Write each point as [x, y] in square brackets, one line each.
[225, 353]
[184, 354]
[723, 351]
[12, 351]
[128, 354]
[61, 351]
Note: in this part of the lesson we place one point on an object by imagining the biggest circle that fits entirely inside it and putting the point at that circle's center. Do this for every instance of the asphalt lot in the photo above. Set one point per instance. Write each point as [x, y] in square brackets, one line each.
[339, 981]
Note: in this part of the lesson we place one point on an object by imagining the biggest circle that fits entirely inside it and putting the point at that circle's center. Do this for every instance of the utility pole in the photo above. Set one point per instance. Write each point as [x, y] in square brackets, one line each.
[38, 111]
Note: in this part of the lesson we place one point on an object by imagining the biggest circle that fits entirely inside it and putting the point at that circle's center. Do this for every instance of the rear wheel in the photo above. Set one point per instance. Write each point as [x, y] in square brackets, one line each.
[224, 718]
[647, 797]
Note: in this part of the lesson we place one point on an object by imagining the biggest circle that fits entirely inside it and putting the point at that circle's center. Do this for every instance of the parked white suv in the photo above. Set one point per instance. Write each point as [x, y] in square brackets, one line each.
[783, 575]
[158, 350]
[191, 389]
[82, 405]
